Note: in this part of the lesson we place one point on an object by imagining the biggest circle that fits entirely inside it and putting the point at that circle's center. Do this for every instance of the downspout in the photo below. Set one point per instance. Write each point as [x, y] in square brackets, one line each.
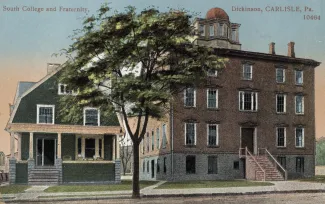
[172, 139]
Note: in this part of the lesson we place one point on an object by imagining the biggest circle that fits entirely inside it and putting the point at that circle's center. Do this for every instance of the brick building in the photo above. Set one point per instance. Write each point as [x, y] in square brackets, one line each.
[254, 119]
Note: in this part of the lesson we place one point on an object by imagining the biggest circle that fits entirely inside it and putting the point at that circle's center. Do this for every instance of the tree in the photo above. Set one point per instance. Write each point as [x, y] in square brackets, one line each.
[126, 152]
[134, 63]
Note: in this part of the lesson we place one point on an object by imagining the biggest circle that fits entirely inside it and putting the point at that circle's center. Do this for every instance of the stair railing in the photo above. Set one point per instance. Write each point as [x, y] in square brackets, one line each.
[248, 153]
[285, 173]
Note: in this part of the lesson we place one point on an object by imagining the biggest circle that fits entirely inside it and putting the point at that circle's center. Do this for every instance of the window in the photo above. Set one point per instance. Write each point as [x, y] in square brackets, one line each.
[144, 166]
[212, 165]
[247, 72]
[45, 114]
[299, 77]
[202, 30]
[280, 103]
[211, 30]
[64, 90]
[211, 72]
[299, 104]
[247, 101]
[212, 96]
[234, 35]
[282, 161]
[164, 138]
[165, 167]
[190, 133]
[143, 146]
[281, 136]
[299, 137]
[147, 166]
[158, 166]
[189, 97]
[158, 135]
[220, 29]
[212, 135]
[300, 166]
[280, 75]
[236, 165]
[148, 141]
[91, 117]
[152, 140]
[89, 148]
[190, 164]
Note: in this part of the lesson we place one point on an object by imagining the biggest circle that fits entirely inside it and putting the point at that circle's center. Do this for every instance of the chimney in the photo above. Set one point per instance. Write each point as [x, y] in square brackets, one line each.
[52, 67]
[272, 48]
[291, 49]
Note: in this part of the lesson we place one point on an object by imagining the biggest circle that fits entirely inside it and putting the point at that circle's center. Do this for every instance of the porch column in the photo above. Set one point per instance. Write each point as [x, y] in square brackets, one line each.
[31, 145]
[97, 147]
[113, 154]
[83, 142]
[117, 147]
[12, 145]
[19, 146]
[102, 149]
[59, 149]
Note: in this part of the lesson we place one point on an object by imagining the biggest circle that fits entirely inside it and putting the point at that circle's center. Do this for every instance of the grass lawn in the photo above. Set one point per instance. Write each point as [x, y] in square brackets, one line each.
[316, 179]
[211, 184]
[11, 189]
[125, 185]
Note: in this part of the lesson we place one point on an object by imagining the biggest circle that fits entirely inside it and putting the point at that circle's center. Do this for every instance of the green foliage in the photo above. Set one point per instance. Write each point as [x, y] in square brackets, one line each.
[320, 152]
[134, 63]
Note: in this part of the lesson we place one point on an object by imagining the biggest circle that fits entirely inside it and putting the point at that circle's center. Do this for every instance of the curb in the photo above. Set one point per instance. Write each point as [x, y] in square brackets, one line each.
[160, 196]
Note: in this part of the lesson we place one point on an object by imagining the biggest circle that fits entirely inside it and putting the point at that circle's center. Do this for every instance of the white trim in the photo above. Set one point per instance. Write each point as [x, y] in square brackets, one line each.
[83, 145]
[284, 101]
[241, 94]
[302, 77]
[91, 108]
[254, 138]
[251, 71]
[194, 93]
[302, 139]
[32, 89]
[158, 137]
[285, 136]
[194, 133]
[302, 105]
[217, 97]
[65, 90]
[211, 34]
[284, 75]
[38, 106]
[217, 134]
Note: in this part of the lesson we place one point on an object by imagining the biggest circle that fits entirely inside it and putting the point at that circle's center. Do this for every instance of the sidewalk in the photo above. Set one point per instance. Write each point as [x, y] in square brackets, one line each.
[37, 193]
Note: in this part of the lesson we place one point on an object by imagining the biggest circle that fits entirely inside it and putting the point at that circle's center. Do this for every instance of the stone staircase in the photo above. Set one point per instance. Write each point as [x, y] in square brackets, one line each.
[271, 171]
[44, 176]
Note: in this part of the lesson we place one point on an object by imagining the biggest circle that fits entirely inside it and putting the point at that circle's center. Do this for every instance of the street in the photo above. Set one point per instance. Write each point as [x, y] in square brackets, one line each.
[294, 198]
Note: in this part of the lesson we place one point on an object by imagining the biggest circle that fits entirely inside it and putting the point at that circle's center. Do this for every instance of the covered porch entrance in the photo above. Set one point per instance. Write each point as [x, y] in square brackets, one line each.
[46, 152]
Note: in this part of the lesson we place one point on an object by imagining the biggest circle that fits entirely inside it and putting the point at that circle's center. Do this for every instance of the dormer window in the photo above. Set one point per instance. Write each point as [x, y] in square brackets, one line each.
[202, 30]
[63, 89]
[211, 30]
[91, 116]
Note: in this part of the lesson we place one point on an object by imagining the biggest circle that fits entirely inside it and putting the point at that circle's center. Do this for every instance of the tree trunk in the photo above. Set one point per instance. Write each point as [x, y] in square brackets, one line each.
[135, 181]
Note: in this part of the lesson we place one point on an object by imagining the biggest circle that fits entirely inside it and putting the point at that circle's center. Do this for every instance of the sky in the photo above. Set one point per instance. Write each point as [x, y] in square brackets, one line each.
[29, 38]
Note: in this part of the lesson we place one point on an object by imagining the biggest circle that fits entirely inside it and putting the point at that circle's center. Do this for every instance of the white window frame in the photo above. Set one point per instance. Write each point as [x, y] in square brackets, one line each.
[217, 97]
[302, 139]
[215, 74]
[277, 137]
[251, 71]
[283, 74]
[302, 77]
[164, 136]
[202, 29]
[91, 108]
[186, 133]
[194, 93]
[45, 106]
[242, 93]
[284, 105]
[211, 31]
[158, 137]
[65, 90]
[302, 104]
[83, 145]
[217, 134]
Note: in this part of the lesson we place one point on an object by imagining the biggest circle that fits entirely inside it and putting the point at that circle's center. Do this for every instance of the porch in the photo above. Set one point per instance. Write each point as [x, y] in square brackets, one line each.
[56, 154]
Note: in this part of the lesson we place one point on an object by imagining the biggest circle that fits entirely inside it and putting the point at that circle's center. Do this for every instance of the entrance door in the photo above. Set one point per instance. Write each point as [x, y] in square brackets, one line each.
[152, 168]
[247, 138]
[46, 151]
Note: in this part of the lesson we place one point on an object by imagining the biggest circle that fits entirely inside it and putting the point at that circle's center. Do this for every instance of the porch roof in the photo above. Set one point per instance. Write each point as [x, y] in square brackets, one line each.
[56, 128]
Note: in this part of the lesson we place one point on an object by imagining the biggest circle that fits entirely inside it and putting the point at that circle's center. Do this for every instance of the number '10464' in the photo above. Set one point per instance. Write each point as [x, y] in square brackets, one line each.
[311, 17]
